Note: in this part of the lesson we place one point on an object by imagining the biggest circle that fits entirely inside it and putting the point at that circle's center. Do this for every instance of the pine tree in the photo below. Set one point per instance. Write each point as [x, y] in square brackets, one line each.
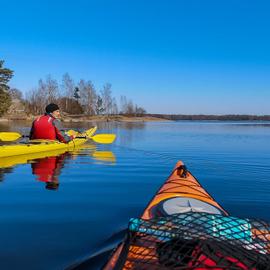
[5, 99]
[99, 105]
[76, 93]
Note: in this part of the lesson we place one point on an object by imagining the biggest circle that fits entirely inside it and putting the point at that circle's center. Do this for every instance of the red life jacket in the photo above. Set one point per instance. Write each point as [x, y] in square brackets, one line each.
[43, 128]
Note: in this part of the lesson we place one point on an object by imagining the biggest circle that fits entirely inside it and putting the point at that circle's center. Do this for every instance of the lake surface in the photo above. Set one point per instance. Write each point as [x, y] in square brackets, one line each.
[80, 213]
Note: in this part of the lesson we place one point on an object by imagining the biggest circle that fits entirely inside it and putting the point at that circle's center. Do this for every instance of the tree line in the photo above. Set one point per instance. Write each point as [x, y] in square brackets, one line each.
[83, 98]
[73, 97]
[78, 98]
[225, 117]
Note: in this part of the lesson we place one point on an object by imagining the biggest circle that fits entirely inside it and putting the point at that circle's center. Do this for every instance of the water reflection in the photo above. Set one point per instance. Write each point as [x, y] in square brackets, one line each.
[47, 166]
[48, 169]
[4, 126]
[104, 156]
[6, 162]
[126, 132]
[3, 171]
[95, 199]
[123, 125]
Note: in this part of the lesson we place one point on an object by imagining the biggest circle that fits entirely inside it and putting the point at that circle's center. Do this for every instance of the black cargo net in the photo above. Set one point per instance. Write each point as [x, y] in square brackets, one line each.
[196, 241]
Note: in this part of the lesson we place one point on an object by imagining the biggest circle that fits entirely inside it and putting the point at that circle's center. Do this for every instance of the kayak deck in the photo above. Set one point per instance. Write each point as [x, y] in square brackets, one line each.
[186, 190]
[37, 146]
[183, 227]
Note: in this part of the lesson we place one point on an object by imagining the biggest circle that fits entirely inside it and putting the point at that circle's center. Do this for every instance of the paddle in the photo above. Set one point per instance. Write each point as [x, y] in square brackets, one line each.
[99, 138]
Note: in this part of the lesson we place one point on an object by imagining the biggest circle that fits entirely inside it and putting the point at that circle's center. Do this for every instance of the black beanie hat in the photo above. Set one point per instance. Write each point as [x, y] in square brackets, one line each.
[51, 108]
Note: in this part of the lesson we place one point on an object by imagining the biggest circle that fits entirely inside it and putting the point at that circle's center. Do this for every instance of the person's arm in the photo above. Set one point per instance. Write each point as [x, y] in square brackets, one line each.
[31, 131]
[60, 133]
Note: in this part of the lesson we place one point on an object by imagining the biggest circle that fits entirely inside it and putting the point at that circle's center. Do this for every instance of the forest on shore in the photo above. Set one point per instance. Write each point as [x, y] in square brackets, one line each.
[80, 97]
[83, 99]
[225, 117]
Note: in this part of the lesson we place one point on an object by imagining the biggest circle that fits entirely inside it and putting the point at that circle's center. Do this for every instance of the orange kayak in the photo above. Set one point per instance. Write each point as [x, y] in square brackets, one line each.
[183, 227]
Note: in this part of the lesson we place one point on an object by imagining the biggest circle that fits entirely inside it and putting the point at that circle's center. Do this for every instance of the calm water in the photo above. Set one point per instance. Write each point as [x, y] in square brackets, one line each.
[82, 212]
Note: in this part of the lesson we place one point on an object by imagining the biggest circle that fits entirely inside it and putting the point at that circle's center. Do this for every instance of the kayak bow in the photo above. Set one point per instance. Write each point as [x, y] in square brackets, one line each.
[183, 227]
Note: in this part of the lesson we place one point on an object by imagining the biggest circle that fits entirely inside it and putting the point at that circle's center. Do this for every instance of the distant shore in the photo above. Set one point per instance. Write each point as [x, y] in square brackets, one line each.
[145, 118]
[114, 118]
[95, 118]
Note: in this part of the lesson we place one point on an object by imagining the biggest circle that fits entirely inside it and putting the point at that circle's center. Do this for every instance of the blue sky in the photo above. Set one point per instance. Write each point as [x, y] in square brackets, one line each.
[186, 57]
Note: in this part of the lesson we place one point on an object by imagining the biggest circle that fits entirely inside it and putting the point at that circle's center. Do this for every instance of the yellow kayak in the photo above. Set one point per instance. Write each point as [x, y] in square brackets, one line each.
[39, 146]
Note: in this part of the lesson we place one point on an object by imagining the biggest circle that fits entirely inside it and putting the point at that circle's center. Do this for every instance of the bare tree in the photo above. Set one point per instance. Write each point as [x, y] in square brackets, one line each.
[52, 89]
[123, 104]
[15, 93]
[46, 92]
[130, 108]
[114, 106]
[40, 96]
[67, 91]
[106, 94]
[127, 107]
[80, 98]
[139, 111]
[74, 106]
[88, 96]
[35, 102]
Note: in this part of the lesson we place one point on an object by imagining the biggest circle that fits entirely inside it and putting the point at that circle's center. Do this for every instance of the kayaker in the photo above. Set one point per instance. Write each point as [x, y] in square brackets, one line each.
[48, 126]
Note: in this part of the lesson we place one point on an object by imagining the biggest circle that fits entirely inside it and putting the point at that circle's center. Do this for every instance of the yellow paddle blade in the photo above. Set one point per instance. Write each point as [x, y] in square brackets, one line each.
[107, 156]
[9, 136]
[103, 138]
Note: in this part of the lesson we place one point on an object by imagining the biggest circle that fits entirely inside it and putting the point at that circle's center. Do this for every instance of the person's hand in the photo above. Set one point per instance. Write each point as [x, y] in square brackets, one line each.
[73, 137]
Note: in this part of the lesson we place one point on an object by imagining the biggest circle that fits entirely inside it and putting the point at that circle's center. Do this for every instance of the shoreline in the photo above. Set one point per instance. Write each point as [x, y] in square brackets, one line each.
[133, 119]
[99, 118]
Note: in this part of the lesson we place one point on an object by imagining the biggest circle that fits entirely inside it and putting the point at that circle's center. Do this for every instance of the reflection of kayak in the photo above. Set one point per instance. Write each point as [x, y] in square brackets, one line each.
[38, 146]
[6, 162]
[89, 148]
[183, 227]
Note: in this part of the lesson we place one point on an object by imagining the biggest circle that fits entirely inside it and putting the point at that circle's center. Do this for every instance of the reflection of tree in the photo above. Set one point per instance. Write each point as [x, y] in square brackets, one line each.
[126, 136]
[4, 127]
[124, 125]
[3, 171]
[133, 125]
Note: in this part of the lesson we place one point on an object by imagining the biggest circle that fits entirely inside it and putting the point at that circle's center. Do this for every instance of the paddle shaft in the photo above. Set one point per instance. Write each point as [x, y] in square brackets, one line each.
[99, 138]
[78, 137]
